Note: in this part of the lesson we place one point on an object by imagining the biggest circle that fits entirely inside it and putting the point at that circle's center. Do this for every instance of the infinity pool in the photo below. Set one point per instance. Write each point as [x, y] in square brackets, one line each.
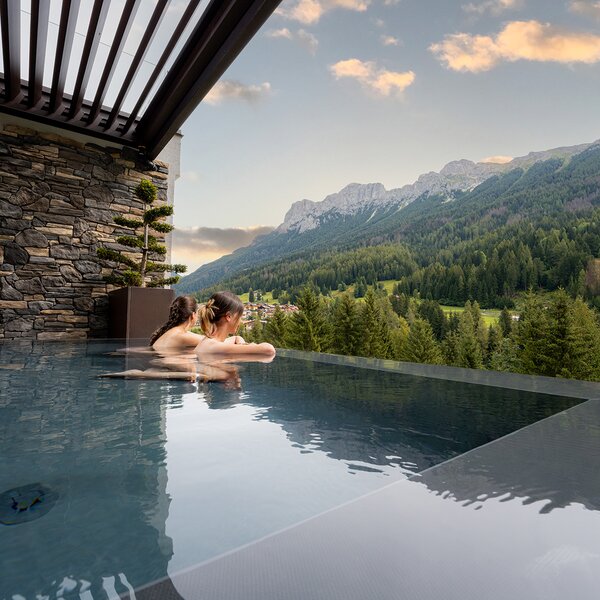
[107, 485]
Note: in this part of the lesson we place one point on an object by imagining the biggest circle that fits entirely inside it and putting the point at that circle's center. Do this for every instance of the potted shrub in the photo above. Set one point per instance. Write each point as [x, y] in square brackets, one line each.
[142, 303]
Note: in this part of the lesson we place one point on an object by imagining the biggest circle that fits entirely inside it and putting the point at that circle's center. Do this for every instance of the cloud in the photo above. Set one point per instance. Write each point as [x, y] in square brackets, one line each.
[310, 12]
[192, 176]
[195, 246]
[390, 40]
[588, 8]
[499, 160]
[228, 89]
[519, 40]
[380, 81]
[494, 7]
[306, 39]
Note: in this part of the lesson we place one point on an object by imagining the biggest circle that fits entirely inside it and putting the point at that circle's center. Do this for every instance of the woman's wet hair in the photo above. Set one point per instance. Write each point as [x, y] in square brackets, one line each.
[218, 306]
[182, 308]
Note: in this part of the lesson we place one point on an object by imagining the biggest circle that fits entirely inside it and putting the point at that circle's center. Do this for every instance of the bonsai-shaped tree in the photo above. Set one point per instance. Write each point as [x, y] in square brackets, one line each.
[135, 273]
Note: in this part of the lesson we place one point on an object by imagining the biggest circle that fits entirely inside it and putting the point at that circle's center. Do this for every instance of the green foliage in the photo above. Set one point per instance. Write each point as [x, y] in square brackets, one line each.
[126, 222]
[421, 346]
[154, 267]
[153, 214]
[117, 257]
[505, 322]
[135, 274]
[255, 333]
[276, 329]
[308, 327]
[468, 349]
[346, 334]
[374, 332]
[558, 336]
[146, 191]
[162, 227]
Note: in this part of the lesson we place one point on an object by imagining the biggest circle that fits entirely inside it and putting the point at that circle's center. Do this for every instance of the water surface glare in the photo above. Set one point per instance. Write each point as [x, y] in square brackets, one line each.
[148, 477]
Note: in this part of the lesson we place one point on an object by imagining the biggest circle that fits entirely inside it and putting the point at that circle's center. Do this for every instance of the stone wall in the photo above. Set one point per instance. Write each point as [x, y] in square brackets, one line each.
[58, 196]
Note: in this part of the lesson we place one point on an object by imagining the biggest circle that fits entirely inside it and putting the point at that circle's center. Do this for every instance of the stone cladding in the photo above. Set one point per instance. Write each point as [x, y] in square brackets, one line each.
[58, 197]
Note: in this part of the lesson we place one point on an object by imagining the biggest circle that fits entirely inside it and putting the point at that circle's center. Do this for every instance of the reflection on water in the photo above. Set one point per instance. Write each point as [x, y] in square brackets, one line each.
[555, 465]
[267, 446]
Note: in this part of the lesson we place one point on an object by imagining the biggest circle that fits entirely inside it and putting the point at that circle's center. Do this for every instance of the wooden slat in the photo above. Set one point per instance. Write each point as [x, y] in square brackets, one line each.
[90, 48]
[153, 24]
[38, 37]
[10, 15]
[125, 23]
[64, 45]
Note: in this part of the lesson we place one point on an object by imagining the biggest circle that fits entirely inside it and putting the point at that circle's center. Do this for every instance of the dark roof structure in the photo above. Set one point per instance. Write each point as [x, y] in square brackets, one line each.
[81, 77]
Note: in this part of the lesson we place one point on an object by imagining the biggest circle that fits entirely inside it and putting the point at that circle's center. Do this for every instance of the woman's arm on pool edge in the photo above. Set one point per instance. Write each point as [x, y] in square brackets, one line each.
[209, 346]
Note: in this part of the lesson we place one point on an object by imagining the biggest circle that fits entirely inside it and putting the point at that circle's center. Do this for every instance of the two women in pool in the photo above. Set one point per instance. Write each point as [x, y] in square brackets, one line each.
[219, 318]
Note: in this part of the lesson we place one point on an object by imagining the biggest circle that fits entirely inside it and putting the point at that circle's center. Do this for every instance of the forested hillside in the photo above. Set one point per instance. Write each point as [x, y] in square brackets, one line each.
[526, 229]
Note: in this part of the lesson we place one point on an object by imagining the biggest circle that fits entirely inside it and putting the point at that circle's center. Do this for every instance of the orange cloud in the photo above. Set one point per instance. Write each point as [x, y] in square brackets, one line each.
[519, 40]
[499, 160]
[381, 81]
[227, 90]
[310, 12]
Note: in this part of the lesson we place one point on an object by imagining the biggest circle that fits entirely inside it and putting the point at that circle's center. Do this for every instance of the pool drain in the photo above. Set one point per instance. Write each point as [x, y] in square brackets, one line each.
[25, 503]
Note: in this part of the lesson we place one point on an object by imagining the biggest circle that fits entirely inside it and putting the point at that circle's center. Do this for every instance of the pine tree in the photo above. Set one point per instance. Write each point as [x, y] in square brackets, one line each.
[421, 346]
[505, 358]
[493, 345]
[374, 330]
[276, 329]
[582, 358]
[256, 333]
[449, 348]
[399, 339]
[308, 327]
[468, 347]
[251, 297]
[505, 322]
[431, 311]
[346, 334]
[532, 330]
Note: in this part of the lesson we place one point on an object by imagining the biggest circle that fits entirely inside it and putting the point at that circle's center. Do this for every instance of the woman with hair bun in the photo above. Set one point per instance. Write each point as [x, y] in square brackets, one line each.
[220, 319]
[175, 334]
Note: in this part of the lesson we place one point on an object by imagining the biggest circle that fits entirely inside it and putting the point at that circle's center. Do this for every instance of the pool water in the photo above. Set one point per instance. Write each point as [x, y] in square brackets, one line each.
[109, 484]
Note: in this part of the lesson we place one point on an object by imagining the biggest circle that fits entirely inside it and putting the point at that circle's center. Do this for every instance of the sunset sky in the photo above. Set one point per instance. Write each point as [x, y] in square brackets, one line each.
[331, 92]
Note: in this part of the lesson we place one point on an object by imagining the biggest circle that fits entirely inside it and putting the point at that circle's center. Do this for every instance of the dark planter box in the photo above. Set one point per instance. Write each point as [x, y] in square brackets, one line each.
[136, 312]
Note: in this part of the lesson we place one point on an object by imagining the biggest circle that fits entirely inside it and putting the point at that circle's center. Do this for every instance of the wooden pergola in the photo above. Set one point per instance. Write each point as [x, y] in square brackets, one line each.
[208, 36]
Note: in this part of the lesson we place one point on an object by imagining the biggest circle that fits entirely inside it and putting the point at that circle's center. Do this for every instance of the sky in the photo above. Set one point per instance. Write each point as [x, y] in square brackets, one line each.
[332, 92]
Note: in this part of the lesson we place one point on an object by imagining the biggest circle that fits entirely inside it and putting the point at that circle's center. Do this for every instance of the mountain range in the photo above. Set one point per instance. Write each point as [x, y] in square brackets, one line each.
[367, 214]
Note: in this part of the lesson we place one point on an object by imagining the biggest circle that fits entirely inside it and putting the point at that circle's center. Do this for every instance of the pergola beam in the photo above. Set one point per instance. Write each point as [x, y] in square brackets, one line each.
[225, 28]
[125, 23]
[38, 36]
[64, 45]
[10, 15]
[90, 48]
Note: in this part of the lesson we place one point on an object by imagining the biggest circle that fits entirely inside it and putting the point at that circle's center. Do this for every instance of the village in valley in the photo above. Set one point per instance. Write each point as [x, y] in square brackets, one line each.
[255, 312]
